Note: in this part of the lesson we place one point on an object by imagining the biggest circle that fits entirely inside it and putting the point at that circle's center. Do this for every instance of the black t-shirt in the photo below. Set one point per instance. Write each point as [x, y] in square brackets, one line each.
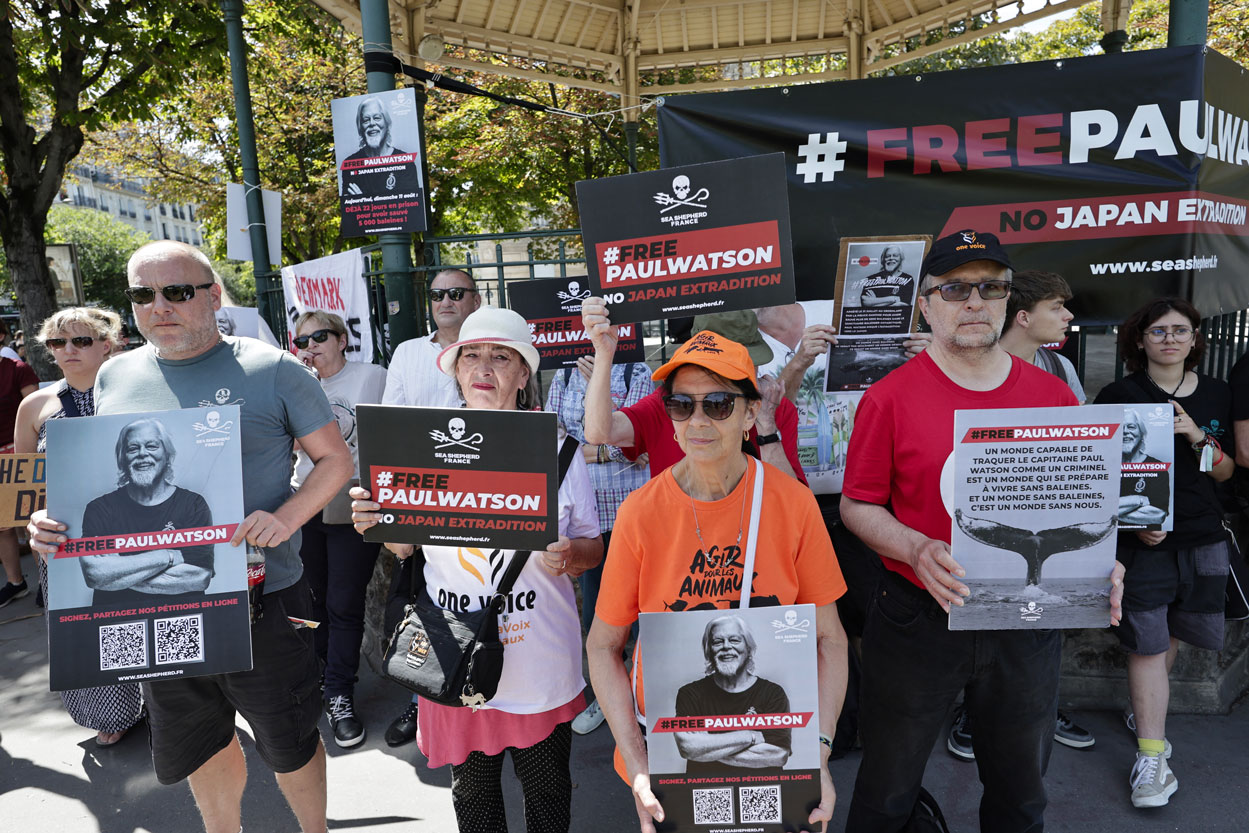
[116, 514]
[703, 698]
[1198, 508]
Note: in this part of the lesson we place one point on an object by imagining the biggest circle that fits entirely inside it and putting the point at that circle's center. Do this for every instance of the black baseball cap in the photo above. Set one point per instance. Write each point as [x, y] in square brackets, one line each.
[951, 252]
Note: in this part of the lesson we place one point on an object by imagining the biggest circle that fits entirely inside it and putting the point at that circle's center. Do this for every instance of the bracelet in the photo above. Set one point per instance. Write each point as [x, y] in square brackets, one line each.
[765, 439]
[603, 454]
[827, 741]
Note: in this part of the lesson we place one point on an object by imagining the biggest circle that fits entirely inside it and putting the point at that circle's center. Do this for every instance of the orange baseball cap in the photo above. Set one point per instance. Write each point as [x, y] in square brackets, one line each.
[713, 352]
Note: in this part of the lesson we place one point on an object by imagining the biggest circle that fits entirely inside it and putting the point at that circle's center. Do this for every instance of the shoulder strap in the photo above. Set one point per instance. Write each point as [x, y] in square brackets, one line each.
[567, 376]
[1049, 362]
[67, 400]
[1144, 393]
[752, 535]
[630, 372]
[567, 450]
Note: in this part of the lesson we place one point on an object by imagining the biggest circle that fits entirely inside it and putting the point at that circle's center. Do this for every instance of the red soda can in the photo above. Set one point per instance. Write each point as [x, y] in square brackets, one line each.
[255, 581]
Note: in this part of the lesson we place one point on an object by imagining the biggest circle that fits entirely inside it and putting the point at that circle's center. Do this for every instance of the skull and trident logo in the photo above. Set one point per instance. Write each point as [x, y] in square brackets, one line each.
[681, 189]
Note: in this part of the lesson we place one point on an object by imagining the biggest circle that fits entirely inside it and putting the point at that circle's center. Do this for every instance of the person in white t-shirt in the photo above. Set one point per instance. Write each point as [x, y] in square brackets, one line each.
[413, 377]
[338, 563]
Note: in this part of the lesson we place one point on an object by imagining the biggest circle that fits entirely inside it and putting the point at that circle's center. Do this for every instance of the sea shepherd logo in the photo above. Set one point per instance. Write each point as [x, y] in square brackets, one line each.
[682, 196]
[457, 436]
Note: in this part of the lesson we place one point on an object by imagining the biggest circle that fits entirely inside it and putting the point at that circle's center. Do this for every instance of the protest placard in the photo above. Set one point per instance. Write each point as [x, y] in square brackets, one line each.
[732, 717]
[147, 586]
[1147, 485]
[552, 306]
[377, 153]
[878, 283]
[857, 362]
[22, 479]
[684, 241]
[334, 283]
[460, 476]
[1035, 497]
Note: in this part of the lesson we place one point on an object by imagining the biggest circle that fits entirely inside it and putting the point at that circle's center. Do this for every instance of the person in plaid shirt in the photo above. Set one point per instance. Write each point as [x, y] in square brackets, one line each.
[613, 476]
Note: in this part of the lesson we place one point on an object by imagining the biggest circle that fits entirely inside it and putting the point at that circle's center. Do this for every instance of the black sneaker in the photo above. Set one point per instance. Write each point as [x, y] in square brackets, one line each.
[959, 741]
[403, 728]
[11, 592]
[348, 730]
[1069, 734]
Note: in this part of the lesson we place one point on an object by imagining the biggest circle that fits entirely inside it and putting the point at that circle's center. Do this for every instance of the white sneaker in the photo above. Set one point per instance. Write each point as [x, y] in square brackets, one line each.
[1152, 781]
[588, 720]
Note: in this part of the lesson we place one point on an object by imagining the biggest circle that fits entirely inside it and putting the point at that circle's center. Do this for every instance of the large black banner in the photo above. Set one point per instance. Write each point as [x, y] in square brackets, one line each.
[552, 306]
[460, 476]
[700, 239]
[1128, 174]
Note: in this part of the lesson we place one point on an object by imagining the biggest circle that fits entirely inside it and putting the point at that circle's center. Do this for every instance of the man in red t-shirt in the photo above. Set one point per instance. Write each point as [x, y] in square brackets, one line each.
[645, 428]
[913, 665]
[17, 380]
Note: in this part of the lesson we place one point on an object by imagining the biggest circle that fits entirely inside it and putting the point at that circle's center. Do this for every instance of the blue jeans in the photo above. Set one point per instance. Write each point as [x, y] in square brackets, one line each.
[913, 669]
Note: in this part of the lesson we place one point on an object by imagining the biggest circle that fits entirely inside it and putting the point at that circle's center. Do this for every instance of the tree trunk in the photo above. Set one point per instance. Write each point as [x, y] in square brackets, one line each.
[28, 265]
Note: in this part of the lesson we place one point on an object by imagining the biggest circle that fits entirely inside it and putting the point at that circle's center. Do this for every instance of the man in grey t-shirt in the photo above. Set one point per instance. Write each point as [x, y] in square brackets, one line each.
[188, 363]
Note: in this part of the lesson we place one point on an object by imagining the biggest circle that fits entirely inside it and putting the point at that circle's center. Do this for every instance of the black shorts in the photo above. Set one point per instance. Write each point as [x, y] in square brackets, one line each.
[192, 719]
[1176, 593]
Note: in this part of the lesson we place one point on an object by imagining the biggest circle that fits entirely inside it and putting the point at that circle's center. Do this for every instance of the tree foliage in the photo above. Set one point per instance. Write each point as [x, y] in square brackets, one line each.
[299, 60]
[67, 68]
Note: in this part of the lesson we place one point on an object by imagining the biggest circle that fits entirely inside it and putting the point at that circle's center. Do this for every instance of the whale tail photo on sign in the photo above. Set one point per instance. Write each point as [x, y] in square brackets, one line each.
[1035, 512]
[690, 240]
[147, 586]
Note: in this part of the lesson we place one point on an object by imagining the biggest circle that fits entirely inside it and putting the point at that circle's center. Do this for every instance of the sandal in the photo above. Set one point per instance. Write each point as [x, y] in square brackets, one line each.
[108, 738]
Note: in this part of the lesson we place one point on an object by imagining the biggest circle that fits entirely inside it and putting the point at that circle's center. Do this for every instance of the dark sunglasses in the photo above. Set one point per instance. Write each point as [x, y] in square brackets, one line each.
[988, 290]
[457, 293]
[717, 406]
[81, 342]
[319, 337]
[175, 293]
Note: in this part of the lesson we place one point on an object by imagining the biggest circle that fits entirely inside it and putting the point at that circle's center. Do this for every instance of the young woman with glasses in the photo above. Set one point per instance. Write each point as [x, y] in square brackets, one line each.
[1175, 580]
[80, 340]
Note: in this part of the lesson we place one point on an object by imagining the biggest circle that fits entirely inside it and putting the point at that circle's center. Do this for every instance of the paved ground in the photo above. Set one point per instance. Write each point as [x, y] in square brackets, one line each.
[53, 778]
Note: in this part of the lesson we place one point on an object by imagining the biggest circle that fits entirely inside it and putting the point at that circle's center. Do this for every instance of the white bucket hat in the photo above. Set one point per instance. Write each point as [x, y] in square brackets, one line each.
[492, 325]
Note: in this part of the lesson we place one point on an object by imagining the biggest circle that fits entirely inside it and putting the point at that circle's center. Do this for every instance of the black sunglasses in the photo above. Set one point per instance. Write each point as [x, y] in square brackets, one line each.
[457, 293]
[957, 291]
[81, 342]
[175, 293]
[319, 337]
[717, 405]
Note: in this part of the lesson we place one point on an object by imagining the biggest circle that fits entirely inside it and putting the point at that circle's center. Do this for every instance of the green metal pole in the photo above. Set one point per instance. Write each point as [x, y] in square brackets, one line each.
[1188, 22]
[403, 315]
[266, 282]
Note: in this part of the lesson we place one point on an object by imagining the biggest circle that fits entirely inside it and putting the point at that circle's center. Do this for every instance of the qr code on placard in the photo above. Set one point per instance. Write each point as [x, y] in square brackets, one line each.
[123, 646]
[760, 804]
[180, 639]
[713, 806]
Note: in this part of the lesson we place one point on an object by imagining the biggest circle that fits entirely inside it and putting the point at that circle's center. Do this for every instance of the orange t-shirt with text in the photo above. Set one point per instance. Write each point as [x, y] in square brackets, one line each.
[657, 562]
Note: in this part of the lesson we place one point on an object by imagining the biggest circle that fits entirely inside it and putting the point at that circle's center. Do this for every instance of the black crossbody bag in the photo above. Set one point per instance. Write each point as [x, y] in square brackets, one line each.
[451, 657]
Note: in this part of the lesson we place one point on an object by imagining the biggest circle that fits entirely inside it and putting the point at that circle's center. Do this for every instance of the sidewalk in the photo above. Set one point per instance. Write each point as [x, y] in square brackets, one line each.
[53, 778]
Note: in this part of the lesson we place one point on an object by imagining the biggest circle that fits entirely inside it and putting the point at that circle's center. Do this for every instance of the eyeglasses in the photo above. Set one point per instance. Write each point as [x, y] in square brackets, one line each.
[1157, 335]
[175, 293]
[958, 291]
[319, 337]
[717, 405]
[457, 293]
[81, 342]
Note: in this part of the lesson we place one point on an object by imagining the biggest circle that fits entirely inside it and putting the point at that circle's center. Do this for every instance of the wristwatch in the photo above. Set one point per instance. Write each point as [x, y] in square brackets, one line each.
[764, 439]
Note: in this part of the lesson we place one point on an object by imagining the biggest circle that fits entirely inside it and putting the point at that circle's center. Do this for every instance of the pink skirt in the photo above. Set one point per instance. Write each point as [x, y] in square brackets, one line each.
[446, 734]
